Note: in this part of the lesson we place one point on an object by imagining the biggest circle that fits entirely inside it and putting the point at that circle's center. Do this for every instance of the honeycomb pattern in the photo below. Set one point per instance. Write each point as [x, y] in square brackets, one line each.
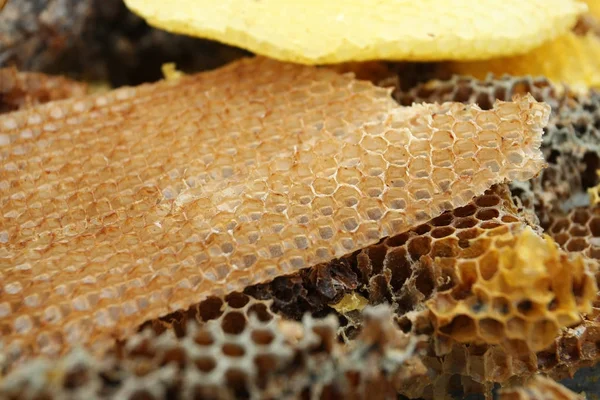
[470, 264]
[483, 92]
[539, 388]
[466, 368]
[238, 350]
[399, 270]
[453, 368]
[577, 231]
[571, 142]
[26, 89]
[123, 207]
[521, 291]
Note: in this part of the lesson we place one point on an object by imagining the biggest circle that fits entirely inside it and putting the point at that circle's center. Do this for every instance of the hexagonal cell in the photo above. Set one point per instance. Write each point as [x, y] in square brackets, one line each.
[419, 246]
[233, 350]
[576, 244]
[442, 232]
[233, 323]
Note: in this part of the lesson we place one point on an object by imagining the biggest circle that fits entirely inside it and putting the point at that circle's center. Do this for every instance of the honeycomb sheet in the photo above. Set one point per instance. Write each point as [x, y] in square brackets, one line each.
[571, 143]
[316, 32]
[123, 207]
[571, 60]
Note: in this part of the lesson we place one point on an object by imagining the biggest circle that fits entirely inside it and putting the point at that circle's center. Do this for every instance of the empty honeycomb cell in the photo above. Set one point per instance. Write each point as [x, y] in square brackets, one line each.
[227, 240]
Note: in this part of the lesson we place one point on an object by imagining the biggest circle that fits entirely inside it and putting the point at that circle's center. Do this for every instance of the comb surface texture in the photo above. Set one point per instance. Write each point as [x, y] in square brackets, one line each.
[123, 207]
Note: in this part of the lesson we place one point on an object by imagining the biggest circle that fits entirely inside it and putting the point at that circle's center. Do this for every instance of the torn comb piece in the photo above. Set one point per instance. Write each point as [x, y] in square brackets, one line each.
[312, 32]
[520, 293]
[123, 207]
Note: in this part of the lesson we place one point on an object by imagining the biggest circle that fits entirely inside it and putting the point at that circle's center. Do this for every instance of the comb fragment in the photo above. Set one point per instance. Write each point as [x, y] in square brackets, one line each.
[313, 32]
[130, 205]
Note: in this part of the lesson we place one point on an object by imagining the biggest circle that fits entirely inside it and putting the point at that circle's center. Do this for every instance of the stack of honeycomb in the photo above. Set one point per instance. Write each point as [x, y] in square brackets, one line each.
[447, 262]
[413, 271]
[558, 197]
[152, 208]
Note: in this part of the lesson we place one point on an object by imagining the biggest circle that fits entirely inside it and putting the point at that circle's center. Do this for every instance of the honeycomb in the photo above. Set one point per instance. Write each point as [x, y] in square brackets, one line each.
[123, 207]
[26, 89]
[394, 272]
[539, 388]
[520, 291]
[232, 348]
[364, 30]
[483, 92]
[571, 142]
[404, 270]
[466, 265]
[398, 273]
[577, 231]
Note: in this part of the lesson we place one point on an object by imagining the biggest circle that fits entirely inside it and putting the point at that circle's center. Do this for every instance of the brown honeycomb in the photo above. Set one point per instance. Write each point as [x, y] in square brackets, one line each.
[484, 92]
[571, 142]
[25, 89]
[570, 147]
[122, 207]
[539, 388]
[576, 231]
[239, 349]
